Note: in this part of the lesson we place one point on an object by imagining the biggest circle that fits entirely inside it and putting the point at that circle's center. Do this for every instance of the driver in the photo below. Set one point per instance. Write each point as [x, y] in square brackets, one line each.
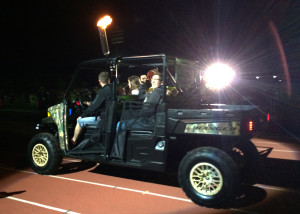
[92, 114]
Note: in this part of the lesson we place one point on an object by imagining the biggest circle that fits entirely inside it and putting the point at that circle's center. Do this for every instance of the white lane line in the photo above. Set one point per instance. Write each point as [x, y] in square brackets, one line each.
[277, 188]
[42, 205]
[122, 188]
[72, 160]
[107, 185]
[145, 192]
[278, 150]
[261, 143]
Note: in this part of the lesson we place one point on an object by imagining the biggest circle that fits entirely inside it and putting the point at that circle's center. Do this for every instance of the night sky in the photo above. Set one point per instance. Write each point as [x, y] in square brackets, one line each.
[44, 41]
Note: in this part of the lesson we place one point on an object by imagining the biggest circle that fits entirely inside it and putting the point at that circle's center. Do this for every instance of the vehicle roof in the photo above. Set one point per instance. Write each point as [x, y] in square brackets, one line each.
[123, 59]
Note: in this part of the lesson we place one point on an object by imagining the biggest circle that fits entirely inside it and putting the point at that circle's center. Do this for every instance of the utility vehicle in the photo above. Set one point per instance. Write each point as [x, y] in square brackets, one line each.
[207, 143]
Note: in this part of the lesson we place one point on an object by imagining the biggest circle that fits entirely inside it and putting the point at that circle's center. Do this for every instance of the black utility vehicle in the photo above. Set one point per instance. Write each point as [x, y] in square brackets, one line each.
[208, 144]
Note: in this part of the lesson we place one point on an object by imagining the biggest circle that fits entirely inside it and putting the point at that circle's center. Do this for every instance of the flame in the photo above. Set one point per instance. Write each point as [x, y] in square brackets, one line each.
[104, 22]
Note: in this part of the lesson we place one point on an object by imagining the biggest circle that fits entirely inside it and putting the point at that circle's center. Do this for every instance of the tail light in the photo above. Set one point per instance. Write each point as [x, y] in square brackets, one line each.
[268, 117]
[250, 126]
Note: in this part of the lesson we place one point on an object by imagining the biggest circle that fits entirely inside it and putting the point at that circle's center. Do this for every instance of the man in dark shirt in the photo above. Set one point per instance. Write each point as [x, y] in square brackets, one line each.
[92, 114]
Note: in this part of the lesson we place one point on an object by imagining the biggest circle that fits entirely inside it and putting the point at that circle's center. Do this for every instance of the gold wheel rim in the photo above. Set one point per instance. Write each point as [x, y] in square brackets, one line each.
[206, 179]
[40, 155]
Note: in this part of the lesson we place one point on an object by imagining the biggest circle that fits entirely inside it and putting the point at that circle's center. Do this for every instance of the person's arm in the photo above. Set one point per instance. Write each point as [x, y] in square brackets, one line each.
[150, 102]
[87, 103]
[155, 96]
[98, 103]
[142, 91]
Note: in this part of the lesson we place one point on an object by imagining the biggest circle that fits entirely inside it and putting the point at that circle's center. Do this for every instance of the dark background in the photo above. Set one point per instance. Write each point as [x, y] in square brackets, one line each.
[43, 41]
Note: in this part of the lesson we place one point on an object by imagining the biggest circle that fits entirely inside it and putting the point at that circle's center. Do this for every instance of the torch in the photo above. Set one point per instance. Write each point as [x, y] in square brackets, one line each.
[102, 24]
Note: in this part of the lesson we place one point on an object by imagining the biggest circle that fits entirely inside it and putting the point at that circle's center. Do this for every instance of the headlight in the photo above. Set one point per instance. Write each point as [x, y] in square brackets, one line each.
[218, 76]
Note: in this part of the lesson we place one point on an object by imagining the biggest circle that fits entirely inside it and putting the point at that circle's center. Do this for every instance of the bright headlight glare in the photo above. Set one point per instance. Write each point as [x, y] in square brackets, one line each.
[218, 76]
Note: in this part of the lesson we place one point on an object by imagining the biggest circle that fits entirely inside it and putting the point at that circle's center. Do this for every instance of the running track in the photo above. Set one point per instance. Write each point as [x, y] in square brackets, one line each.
[82, 187]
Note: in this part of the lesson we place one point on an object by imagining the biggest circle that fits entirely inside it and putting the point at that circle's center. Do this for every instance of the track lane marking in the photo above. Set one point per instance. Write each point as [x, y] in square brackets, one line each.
[139, 191]
[72, 160]
[289, 151]
[277, 150]
[277, 188]
[122, 188]
[41, 205]
[150, 193]
[104, 185]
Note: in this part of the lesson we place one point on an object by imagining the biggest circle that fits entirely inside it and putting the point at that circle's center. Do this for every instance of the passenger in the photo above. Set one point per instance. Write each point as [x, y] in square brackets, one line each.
[143, 78]
[92, 114]
[121, 90]
[150, 74]
[133, 84]
[144, 121]
[144, 87]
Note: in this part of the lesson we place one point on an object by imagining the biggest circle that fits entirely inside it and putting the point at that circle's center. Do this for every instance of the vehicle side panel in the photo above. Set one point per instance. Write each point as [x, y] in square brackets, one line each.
[58, 114]
[204, 122]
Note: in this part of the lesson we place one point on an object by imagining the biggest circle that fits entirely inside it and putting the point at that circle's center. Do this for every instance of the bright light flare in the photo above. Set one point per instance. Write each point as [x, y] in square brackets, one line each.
[104, 22]
[218, 76]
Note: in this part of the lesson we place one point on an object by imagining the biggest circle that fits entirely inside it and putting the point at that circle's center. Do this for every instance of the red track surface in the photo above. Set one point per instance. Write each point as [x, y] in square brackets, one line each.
[86, 188]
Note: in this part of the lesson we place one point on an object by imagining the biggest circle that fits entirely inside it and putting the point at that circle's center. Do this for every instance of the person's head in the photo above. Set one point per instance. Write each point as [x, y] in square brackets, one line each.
[134, 82]
[103, 78]
[150, 74]
[143, 78]
[156, 80]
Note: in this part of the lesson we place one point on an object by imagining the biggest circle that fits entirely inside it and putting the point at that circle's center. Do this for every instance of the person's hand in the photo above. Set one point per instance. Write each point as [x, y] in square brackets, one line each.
[87, 103]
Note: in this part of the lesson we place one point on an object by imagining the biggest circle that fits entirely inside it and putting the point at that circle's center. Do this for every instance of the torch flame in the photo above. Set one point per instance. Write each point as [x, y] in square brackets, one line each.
[104, 22]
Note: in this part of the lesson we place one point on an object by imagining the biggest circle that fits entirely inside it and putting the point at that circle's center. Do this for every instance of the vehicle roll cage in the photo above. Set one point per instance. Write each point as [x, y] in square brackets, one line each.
[112, 66]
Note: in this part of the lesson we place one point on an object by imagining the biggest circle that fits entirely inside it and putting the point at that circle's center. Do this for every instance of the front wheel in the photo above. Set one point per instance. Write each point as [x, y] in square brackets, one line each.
[44, 153]
[208, 176]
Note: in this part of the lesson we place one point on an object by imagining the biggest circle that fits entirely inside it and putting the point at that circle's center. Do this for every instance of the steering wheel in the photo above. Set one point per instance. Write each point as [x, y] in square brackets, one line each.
[79, 106]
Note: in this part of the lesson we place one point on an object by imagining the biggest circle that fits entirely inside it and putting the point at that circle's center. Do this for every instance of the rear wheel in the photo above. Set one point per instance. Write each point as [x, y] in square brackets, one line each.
[208, 176]
[246, 157]
[44, 153]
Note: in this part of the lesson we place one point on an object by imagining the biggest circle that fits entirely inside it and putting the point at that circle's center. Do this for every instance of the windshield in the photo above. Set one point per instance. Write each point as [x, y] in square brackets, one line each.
[85, 84]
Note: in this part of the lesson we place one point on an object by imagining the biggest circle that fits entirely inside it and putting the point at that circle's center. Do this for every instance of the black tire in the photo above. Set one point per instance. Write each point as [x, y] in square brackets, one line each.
[44, 154]
[209, 177]
[247, 159]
